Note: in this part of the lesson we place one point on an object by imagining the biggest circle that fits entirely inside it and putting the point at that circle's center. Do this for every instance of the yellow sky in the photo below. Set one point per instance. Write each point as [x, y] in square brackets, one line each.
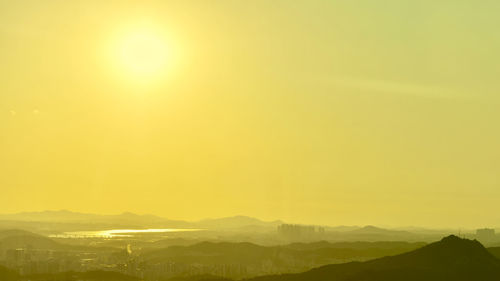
[331, 112]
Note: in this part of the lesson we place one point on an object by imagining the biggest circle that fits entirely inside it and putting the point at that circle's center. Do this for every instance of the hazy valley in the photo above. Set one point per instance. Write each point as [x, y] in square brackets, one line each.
[75, 246]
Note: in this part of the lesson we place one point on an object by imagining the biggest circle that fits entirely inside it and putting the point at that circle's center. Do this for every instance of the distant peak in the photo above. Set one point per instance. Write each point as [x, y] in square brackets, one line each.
[453, 239]
[454, 246]
[371, 227]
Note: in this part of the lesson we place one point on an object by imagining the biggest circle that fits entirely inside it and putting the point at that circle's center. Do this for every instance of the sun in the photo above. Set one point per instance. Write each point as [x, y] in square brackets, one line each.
[142, 54]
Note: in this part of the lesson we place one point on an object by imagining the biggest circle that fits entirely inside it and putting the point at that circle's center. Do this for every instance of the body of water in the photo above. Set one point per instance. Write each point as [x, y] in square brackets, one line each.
[118, 233]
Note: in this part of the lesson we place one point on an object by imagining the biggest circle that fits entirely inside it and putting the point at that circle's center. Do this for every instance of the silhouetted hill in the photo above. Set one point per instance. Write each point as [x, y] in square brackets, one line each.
[288, 258]
[14, 232]
[14, 239]
[24, 241]
[452, 258]
[495, 251]
[370, 229]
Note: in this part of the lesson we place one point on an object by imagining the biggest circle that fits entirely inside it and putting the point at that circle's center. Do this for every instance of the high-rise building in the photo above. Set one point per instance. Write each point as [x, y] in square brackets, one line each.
[485, 235]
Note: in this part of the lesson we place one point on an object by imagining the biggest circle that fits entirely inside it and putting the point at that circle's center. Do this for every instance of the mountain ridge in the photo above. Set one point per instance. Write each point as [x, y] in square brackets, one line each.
[452, 258]
[136, 220]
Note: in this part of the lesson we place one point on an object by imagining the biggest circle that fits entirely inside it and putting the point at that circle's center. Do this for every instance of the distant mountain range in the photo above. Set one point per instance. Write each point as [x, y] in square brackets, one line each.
[64, 216]
[130, 220]
[236, 228]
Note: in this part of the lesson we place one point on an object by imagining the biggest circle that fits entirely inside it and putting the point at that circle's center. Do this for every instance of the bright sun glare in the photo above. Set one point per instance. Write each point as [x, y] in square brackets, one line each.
[142, 54]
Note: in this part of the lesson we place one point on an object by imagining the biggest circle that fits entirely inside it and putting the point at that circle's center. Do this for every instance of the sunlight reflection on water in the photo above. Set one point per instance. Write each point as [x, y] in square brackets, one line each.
[115, 233]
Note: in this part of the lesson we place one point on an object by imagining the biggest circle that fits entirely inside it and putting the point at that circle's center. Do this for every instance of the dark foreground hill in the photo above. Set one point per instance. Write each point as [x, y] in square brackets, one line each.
[452, 258]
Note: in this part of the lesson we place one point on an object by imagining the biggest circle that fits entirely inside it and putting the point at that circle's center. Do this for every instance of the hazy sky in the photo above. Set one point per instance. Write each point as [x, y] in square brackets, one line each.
[331, 112]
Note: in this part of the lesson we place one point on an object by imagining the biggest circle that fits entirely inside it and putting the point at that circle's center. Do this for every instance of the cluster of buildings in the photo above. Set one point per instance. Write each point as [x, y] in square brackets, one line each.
[28, 261]
[486, 235]
[297, 232]
[36, 261]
